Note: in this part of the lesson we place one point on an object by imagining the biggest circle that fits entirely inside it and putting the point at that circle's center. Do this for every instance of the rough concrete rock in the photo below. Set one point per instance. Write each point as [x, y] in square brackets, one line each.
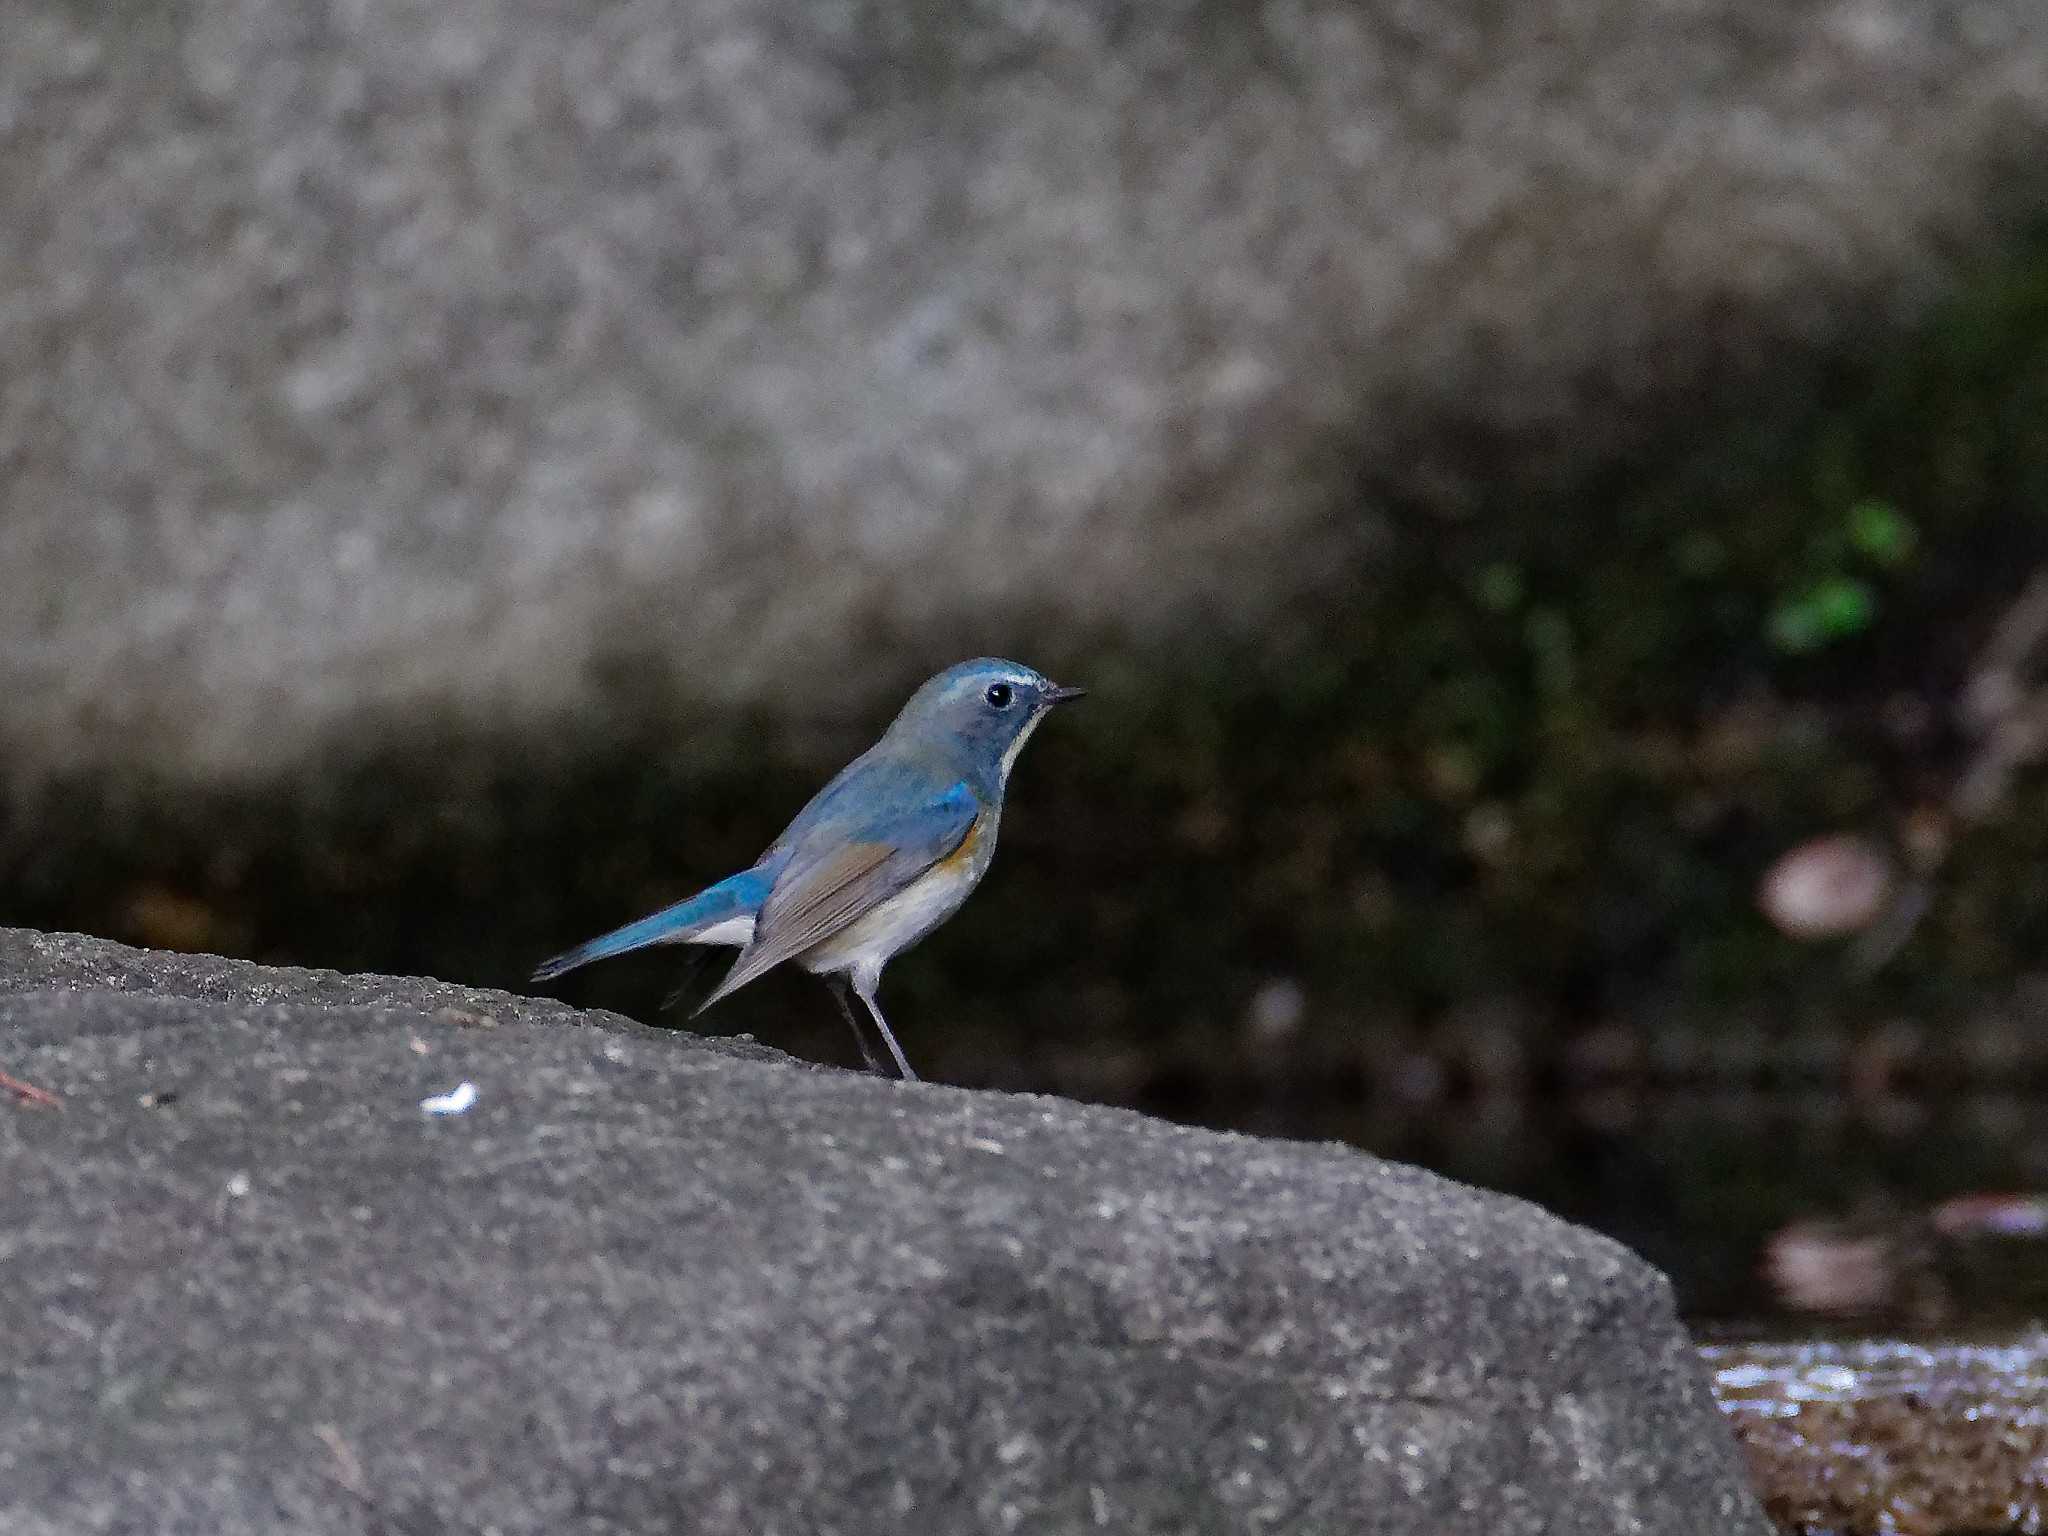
[651, 1282]
[368, 367]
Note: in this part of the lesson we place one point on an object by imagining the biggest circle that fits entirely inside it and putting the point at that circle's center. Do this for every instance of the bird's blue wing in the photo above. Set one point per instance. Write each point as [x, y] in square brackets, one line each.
[844, 865]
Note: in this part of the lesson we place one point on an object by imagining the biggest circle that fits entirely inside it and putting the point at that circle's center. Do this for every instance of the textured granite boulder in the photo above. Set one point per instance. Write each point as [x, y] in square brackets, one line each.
[654, 1283]
[412, 366]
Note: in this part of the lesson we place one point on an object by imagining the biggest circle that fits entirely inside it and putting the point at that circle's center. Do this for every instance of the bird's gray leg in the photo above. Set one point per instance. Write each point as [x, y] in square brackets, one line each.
[864, 984]
[867, 1052]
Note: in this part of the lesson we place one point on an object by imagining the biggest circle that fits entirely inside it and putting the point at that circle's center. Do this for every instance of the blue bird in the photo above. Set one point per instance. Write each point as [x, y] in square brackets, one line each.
[880, 857]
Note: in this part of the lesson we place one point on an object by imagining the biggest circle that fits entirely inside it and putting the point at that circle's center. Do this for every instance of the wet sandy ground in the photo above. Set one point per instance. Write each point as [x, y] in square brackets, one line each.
[1918, 1439]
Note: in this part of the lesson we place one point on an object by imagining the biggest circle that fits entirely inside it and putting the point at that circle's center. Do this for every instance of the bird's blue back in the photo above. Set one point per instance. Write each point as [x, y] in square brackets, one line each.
[892, 791]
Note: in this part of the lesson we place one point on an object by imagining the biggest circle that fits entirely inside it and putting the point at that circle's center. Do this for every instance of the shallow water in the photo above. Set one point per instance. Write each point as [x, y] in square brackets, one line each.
[1924, 1438]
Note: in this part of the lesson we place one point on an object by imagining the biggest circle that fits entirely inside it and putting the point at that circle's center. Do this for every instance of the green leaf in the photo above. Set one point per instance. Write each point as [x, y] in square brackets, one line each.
[1833, 609]
[1881, 532]
[1844, 606]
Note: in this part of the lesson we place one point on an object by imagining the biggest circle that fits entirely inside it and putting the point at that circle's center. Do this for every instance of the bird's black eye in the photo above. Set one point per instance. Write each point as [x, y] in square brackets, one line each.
[998, 695]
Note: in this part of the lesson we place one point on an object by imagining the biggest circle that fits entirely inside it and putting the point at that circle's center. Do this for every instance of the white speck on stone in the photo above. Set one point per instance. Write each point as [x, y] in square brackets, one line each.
[457, 1101]
[239, 1186]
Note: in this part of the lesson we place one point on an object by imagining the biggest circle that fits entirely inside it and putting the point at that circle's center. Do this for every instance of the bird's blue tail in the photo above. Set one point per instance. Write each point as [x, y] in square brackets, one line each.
[740, 895]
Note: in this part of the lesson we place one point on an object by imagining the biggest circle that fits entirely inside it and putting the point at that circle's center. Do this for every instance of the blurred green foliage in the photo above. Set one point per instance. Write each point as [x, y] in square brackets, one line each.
[1550, 750]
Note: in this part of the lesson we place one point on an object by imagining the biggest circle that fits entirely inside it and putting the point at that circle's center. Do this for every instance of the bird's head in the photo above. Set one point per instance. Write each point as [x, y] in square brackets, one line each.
[984, 708]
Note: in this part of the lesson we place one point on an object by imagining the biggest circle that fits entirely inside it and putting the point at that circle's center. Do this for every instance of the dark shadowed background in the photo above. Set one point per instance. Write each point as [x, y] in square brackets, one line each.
[1509, 476]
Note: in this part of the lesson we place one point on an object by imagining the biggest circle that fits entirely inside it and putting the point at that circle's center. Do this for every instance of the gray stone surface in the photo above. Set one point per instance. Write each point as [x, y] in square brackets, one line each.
[451, 362]
[655, 1283]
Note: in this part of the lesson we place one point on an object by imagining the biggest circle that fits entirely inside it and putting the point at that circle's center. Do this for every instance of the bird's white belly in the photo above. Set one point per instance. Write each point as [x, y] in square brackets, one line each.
[899, 922]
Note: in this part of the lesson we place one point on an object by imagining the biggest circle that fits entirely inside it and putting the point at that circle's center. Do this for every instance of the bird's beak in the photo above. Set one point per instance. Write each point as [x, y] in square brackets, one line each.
[1061, 695]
